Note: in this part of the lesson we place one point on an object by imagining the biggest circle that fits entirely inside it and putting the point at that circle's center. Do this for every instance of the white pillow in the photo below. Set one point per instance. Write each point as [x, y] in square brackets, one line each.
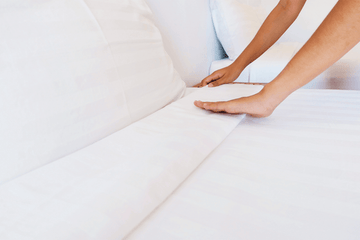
[236, 24]
[73, 72]
[148, 76]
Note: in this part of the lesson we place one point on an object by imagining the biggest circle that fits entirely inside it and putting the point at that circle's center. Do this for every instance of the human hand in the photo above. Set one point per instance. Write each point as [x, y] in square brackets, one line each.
[256, 105]
[219, 77]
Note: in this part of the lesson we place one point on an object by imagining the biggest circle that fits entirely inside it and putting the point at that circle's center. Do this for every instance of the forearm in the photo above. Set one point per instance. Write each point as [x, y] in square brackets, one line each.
[339, 32]
[278, 21]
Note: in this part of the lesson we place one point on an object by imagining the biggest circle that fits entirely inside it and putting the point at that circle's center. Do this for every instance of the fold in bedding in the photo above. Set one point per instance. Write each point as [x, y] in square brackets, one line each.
[106, 189]
[293, 175]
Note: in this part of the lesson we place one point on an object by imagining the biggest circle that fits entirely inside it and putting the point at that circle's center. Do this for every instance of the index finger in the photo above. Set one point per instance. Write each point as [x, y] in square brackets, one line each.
[212, 106]
[198, 85]
[210, 78]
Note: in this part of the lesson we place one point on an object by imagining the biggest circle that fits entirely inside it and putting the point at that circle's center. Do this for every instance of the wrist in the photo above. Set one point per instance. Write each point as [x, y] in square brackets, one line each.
[273, 94]
[237, 67]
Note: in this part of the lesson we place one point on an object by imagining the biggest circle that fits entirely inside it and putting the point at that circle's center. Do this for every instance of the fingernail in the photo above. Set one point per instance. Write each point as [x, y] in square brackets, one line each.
[210, 85]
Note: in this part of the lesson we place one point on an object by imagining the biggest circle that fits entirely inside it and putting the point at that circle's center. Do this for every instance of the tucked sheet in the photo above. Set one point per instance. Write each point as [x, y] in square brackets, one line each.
[293, 175]
[104, 190]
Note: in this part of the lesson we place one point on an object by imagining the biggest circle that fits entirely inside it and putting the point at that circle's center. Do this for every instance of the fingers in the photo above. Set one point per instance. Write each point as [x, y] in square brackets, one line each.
[211, 106]
[212, 84]
[218, 82]
[257, 105]
[210, 78]
[198, 85]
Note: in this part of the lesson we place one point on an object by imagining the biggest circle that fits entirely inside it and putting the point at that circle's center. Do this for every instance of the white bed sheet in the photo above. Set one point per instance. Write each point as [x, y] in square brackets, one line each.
[106, 189]
[293, 175]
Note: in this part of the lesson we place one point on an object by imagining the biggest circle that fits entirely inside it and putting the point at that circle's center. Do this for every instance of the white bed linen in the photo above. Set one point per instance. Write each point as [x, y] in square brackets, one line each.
[189, 36]
[104, 190]
[236, 24]
[294, 175]
[74, 71]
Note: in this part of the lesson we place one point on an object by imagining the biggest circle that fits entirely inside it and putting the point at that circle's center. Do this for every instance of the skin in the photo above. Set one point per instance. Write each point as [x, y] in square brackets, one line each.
[338, 33]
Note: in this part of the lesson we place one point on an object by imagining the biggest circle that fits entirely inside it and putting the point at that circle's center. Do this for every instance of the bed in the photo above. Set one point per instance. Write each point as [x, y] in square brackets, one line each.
[100, 138]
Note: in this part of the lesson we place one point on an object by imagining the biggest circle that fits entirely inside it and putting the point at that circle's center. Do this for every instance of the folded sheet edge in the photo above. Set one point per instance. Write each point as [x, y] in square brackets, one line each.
[106, 190]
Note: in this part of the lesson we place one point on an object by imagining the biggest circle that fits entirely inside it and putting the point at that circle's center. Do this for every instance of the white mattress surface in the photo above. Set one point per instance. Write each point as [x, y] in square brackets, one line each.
[106, 189]
[293, 175]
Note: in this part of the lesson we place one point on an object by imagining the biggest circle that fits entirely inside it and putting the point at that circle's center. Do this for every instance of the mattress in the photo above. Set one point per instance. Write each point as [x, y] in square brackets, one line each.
[293, 175]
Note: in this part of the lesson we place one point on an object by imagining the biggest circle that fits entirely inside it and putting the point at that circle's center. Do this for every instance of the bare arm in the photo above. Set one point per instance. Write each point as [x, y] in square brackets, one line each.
[278, 21]
[338, 33]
